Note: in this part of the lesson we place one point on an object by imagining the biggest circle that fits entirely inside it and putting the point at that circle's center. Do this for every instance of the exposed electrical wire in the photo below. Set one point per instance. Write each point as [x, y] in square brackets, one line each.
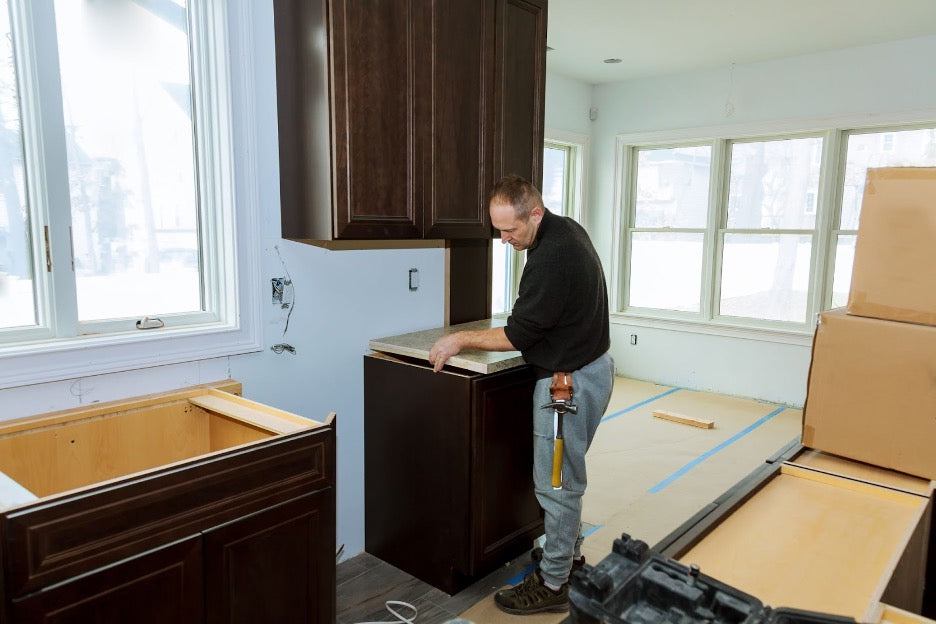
[400, 618]
[287, 285]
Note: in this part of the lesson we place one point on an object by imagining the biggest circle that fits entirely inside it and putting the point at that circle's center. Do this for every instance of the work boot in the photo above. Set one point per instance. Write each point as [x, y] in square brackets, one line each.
[536, 555]
[532, 596]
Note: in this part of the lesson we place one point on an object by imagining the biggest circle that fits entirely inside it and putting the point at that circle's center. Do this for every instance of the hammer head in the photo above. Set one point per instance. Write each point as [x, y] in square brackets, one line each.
[562, 406]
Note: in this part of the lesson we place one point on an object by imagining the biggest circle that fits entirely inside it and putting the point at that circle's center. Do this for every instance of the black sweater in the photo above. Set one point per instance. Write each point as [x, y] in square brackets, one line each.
[560, 319]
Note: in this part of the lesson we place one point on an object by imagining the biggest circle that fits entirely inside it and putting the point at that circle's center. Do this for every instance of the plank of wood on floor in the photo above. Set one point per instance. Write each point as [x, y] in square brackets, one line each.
[702, 423]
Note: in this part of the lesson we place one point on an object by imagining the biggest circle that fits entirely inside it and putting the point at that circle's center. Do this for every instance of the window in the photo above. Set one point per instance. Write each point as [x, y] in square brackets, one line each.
[117, 209]
[748, 231]
[865, 149]
[562, 191]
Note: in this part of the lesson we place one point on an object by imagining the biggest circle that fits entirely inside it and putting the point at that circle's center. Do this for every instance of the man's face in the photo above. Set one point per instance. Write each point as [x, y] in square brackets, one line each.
[519, 233]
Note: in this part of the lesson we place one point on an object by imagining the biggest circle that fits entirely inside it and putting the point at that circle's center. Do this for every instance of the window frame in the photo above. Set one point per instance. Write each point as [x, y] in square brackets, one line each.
[228, 207]
[576, 146]
[828, 207]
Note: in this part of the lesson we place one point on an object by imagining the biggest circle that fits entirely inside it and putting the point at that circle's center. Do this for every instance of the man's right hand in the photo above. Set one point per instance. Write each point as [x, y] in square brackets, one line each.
[444, 348]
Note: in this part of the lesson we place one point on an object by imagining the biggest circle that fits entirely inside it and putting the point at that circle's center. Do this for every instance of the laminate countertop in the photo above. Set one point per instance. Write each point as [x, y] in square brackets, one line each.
[417, 345]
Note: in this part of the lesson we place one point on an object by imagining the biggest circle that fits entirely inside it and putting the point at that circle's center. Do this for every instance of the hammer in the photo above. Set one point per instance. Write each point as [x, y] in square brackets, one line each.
[560, 394]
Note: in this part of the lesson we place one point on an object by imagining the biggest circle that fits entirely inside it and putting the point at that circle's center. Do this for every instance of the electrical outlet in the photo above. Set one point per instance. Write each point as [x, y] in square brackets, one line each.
[633, 339]
[279, 285]
[414, 279]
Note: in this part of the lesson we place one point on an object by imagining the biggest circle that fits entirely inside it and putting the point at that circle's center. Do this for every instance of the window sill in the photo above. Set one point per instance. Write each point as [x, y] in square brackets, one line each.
[83, 356]
[799, 337]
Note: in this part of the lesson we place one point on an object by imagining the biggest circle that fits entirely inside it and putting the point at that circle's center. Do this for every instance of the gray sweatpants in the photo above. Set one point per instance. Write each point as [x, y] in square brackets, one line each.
[591, 388]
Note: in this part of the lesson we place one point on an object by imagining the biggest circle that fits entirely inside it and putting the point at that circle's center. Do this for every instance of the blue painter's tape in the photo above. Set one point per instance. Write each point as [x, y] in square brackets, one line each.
[520, 576]
[636, 405]
[698, 460]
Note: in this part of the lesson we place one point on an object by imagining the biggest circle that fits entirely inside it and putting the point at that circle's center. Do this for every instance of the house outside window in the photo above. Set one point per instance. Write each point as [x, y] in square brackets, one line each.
[748, 232]
[117, 207]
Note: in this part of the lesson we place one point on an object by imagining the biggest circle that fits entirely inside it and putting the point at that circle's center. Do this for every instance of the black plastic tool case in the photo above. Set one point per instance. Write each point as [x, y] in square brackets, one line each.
[634, 585]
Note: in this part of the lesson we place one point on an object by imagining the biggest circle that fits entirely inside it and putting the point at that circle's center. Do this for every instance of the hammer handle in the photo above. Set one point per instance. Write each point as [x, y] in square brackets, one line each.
[557, 464]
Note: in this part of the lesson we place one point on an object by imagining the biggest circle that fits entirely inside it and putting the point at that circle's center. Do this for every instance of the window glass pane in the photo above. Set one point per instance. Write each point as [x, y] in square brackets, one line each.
[555, 163]
[841, 278]
[774, 184]
[673, 187]
[666, 271]
[765, 276]
[129, 131]
[499, 277]
[908, 148]
[17, 298]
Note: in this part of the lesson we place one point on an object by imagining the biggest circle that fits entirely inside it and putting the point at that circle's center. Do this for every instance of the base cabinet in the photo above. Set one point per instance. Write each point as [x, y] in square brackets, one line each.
[240, 531]
[448, 469]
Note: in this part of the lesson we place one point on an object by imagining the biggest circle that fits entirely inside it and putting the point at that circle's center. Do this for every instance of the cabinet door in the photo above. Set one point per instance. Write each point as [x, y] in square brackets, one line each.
[416, 469]
[160, 586]
[505, 516]
[376, 184]
[276, 565]
[456, 103]
[520, 88]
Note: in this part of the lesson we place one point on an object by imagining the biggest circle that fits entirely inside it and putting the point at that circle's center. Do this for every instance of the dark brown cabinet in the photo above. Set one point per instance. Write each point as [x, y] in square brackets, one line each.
[226, 514]
[448, 469]
[396, 116]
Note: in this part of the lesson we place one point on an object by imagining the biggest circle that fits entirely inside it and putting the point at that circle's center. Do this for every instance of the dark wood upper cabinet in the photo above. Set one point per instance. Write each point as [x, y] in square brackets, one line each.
[521, 83]
[395, 114]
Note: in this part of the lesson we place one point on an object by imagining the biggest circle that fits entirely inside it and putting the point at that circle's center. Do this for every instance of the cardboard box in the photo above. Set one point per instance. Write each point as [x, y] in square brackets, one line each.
[893, 275]
[872, 392]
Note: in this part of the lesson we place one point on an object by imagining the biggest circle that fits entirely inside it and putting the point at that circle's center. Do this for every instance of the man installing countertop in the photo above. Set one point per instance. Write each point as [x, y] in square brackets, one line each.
[559, 323]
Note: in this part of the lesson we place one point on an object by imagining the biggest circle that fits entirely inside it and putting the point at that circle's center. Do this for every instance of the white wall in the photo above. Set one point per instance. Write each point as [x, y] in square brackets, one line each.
[887, 78]
[342, 299]
[567, 104]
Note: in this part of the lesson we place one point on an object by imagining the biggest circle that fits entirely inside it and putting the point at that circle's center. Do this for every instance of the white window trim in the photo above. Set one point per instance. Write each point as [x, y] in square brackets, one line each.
[820, 274]
[581, 147]
[231, 165]
[576, 196]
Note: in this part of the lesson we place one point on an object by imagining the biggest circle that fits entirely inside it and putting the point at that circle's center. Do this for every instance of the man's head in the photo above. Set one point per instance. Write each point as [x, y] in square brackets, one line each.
[516, 210]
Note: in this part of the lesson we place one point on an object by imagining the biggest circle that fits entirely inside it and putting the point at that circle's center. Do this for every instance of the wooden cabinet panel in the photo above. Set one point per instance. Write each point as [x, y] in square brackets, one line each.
[457, 169]
[163, 585]
[373, 47]
[520, 85]
[502, 507]
[434, 506]
[267, 567]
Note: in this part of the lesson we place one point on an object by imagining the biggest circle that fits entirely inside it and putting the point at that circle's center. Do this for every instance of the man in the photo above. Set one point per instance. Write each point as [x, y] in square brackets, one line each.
[559, 323]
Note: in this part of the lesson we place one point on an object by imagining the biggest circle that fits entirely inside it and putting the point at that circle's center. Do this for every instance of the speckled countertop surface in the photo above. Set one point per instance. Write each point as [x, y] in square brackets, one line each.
[417, 345]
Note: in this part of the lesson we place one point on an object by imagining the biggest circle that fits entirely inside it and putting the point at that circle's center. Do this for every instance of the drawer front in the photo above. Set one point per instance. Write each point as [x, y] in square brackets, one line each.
[59, 538]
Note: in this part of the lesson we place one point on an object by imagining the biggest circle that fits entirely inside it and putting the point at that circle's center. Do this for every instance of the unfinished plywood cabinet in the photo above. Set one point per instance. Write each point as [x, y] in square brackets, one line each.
[191, 506]
[817, 532]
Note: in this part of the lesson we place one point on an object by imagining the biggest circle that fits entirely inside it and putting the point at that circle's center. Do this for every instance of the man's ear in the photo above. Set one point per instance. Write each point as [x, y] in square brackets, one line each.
[536, 214]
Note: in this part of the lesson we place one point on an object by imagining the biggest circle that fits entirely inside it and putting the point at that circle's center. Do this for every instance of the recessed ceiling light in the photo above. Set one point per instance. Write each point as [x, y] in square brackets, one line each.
[611, 61]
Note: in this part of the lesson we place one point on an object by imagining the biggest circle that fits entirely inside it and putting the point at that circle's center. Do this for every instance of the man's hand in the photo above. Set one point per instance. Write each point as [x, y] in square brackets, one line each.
[444, 348]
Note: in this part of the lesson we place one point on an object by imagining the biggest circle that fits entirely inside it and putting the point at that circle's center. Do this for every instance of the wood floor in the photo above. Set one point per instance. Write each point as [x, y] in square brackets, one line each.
[646, 476]
[365, 584]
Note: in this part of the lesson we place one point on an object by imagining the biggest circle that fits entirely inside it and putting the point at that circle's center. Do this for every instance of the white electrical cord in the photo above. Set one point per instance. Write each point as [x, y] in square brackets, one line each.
[400, 618]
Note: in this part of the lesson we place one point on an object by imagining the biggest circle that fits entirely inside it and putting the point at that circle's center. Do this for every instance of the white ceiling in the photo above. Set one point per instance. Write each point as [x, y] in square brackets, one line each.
[657, 37]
